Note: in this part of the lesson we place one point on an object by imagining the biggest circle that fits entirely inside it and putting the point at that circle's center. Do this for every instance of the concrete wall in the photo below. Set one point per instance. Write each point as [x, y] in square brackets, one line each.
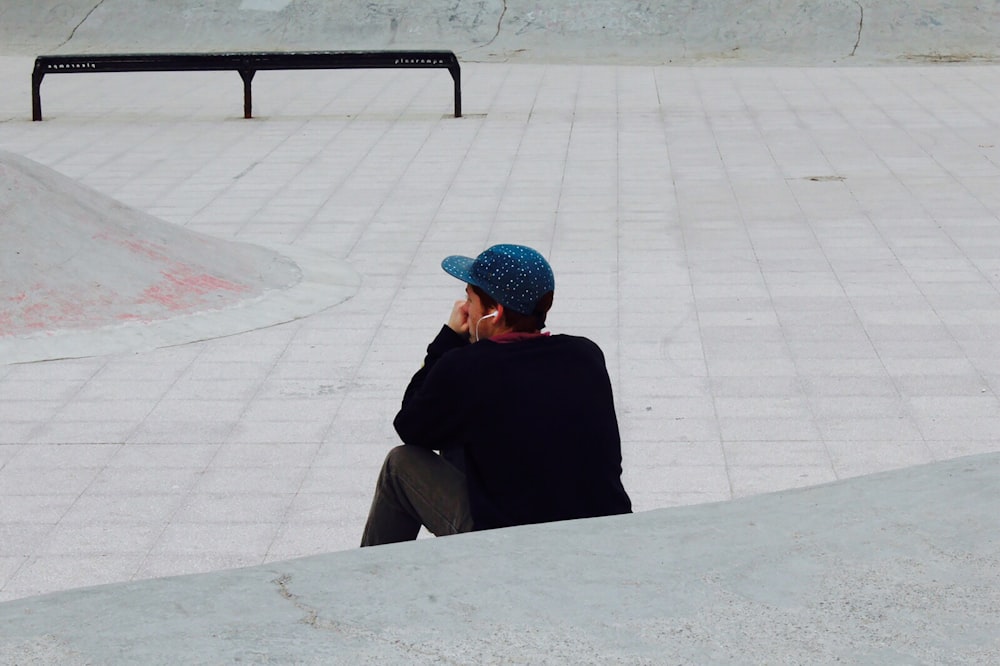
[678, 31]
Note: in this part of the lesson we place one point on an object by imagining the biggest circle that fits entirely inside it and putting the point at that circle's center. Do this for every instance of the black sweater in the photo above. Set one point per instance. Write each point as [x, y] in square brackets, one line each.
[535, 420]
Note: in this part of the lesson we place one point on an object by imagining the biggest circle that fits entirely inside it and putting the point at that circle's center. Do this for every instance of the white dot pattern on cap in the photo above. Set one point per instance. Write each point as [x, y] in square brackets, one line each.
[516, 276]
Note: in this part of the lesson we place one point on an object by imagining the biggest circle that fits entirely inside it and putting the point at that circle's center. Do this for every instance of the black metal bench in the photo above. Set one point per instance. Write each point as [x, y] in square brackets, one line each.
[247, 64]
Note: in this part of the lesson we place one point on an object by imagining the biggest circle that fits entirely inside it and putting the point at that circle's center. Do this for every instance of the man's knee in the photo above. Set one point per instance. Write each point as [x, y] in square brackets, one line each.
[404, 461]
[405, 456]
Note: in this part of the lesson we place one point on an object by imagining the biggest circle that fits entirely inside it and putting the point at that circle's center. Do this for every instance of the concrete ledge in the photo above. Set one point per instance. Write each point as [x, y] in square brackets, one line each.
[782, 32]
[899, 567]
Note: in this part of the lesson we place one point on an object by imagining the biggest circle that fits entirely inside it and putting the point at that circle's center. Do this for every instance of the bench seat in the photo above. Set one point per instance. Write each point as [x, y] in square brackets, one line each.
[246, 63]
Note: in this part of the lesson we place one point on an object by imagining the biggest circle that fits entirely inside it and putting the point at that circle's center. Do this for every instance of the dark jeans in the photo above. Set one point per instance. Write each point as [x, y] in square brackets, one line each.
[417, 487]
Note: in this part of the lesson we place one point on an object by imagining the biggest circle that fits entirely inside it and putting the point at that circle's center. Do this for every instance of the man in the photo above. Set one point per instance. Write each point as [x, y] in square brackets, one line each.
[525, 421]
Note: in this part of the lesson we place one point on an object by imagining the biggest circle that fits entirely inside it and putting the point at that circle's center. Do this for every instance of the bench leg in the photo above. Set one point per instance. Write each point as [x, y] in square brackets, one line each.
[36, 95]
[456, 75]
[247, 76]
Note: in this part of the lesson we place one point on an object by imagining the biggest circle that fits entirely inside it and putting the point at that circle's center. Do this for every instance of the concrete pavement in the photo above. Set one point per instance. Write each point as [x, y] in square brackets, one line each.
[894, 568]
[793, 272]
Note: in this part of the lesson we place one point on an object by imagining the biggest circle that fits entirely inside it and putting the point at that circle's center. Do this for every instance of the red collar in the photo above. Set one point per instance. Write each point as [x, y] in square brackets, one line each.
[517, 337]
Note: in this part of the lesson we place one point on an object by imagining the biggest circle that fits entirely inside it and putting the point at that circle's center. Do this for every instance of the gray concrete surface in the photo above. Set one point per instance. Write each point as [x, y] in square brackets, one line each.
[793, 272]
[893, 568]
[84, 275]
[787, 32]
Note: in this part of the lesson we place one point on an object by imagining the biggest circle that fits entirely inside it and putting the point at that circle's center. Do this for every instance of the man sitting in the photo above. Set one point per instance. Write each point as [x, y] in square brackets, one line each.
[525, 421]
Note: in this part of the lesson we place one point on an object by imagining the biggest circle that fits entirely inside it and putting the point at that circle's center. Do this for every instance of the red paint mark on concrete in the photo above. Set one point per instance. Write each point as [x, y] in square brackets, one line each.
[36, 317]
[125, 276]
[183, 288]
[148, 250]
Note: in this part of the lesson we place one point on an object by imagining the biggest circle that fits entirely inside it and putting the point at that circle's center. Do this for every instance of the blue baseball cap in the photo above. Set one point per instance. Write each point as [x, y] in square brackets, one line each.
[515, 276]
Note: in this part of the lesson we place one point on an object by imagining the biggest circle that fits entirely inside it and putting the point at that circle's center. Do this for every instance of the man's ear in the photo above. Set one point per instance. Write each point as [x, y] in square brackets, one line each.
[499, 311]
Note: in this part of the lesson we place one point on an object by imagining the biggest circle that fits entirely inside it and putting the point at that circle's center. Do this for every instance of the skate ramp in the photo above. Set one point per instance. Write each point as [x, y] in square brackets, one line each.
[81, 274]
[784, 32]
[895, 568]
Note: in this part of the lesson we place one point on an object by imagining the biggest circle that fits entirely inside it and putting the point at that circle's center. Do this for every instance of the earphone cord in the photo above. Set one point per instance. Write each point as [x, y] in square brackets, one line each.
[489, 316]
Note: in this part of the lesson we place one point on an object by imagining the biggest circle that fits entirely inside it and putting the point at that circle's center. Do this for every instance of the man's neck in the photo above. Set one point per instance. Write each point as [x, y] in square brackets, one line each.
[517, 336]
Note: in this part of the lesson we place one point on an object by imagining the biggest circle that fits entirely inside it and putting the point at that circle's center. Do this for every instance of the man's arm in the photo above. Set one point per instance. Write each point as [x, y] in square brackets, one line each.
[453, 335]
[427, 412]
[446, 340]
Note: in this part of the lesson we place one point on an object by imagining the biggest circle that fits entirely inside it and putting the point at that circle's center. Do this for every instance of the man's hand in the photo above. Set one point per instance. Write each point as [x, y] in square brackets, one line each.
[459, 320]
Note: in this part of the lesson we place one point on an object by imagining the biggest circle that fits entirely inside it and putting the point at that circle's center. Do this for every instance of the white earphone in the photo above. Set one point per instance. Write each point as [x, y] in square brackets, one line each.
[489, 316]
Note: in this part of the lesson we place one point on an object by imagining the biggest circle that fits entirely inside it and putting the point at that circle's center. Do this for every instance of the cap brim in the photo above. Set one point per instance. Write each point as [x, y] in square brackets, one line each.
[460, 267]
